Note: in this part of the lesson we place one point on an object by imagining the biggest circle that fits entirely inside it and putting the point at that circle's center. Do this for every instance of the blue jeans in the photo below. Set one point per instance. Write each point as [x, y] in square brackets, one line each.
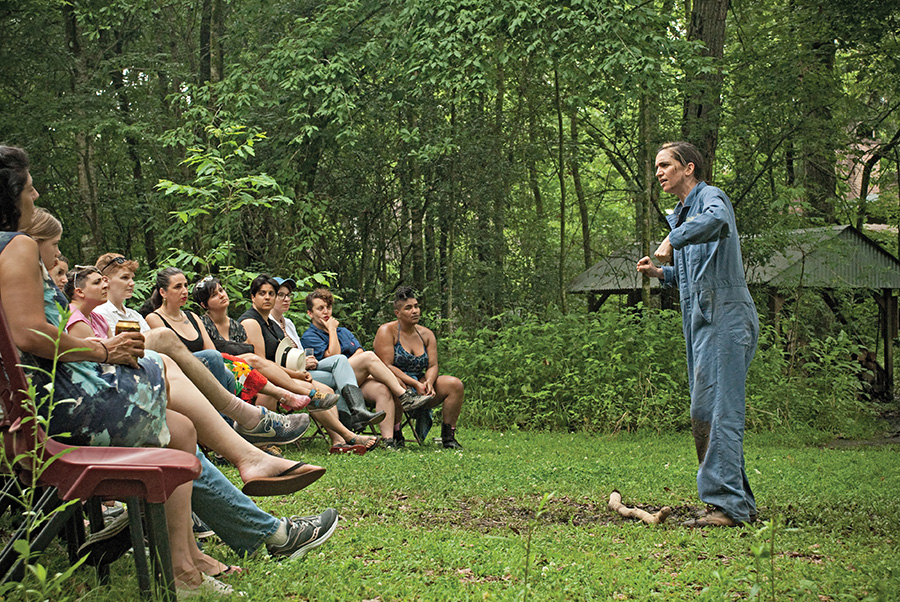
[212, 359]
[336, 372]
[231, 514]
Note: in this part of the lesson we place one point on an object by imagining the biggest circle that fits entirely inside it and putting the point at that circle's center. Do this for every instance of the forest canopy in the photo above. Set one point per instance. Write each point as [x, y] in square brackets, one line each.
[484, 152]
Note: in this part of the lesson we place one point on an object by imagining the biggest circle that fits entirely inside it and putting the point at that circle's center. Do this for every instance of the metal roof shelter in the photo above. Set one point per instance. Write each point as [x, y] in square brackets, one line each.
[835, 257]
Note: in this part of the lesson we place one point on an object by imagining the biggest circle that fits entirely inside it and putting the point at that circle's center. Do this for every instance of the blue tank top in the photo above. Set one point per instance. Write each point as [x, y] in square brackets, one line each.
[411, 365]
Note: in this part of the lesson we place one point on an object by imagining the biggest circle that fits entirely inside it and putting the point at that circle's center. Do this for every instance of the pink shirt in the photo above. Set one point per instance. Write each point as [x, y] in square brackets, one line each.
[95, 321]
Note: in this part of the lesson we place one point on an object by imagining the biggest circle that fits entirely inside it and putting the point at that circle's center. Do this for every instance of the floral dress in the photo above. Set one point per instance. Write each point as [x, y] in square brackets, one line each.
[98, 404]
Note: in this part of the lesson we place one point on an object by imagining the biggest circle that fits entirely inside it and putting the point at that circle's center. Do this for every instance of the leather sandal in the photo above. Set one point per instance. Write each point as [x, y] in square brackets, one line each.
[347, 448]
[369, 446]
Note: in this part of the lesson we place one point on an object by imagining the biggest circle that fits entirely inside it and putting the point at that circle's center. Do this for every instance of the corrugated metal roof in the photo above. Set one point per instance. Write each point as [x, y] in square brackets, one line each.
[830, 257]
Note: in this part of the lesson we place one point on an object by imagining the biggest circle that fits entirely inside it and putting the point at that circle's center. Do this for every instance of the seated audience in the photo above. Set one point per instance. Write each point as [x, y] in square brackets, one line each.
[327, 337]
[240, 523]
[122, 401]
[167, 300]
[410, 350]
[211, 295]
[335, 371]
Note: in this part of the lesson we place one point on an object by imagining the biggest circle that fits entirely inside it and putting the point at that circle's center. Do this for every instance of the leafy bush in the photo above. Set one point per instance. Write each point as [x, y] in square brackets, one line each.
[627, 371]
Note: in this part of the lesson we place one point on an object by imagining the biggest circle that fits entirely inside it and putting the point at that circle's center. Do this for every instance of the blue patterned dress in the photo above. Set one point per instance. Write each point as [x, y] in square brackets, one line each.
[99, 404]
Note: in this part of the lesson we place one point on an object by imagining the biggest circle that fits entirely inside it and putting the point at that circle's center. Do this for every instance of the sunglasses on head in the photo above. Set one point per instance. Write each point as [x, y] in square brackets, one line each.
[118, 260]
[80, 272]
[205, 282]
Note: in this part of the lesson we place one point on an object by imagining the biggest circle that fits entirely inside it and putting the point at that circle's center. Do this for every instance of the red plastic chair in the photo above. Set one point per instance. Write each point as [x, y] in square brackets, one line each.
[142, 477]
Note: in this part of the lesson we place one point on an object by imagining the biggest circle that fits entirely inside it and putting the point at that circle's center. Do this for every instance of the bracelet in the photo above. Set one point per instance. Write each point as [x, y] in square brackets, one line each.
[106, 349]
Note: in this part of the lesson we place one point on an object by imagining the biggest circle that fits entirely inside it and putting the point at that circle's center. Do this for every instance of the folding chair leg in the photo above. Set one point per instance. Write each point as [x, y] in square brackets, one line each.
[8, 493]
[9, 556]
[52, 527]
[95, 518]
[408, 421]
[160, 552]
[137, 546]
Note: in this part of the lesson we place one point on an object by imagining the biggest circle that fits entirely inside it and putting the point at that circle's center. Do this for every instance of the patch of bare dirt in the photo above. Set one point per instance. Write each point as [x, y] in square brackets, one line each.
[516, 513]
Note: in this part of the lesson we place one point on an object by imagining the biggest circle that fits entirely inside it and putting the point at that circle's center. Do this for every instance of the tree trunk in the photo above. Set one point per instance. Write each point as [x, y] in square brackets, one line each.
[878, 154]
[644, 200]
[579, 191]
[84, 146]
[817, 145]
[561, 170]
[700, 124]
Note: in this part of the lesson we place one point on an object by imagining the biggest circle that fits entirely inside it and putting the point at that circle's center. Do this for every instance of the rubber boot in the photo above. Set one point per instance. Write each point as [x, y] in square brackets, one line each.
[448, 437]
[359, 416]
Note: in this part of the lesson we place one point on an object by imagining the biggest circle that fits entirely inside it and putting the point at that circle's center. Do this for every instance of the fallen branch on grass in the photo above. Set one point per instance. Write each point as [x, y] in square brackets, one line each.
[615, 504]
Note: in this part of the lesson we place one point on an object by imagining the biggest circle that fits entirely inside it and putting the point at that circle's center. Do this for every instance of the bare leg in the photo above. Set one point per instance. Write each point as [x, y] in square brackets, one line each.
[215, 433]
[375, 391]
[449, 393]
[167, 342]
[337, 431]
[178, 506]
[368, 364]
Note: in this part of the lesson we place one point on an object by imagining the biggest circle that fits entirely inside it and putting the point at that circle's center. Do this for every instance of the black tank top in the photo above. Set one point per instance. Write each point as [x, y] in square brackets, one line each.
[194, 345]
[271, 332]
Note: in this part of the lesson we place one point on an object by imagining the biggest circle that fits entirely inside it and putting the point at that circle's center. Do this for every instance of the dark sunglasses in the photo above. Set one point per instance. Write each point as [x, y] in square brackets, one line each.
[118, 260]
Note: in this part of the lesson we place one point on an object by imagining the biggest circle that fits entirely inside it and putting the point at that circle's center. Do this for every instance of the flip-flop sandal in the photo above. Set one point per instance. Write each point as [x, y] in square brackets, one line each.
[287, 482]
[346, 448]
[354, 441]
[231, 571]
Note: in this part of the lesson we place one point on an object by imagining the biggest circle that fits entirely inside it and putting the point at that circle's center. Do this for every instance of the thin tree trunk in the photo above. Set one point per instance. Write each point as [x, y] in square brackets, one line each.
[205, 66]
[561, 170]
[579, 191]
[644, 200]
[84, 147]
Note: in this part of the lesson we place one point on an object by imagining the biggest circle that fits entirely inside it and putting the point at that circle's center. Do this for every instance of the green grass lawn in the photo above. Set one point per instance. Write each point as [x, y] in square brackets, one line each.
[429, 524]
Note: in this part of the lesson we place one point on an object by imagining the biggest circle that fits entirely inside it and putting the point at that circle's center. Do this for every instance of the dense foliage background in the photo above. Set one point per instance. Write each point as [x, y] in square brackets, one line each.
[484, 151]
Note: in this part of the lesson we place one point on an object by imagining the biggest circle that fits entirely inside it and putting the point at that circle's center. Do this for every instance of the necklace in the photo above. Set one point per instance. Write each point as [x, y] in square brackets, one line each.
[181, 316]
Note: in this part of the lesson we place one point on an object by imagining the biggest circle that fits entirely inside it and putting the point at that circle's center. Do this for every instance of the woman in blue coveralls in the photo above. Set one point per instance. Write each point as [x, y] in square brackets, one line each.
[720, 324]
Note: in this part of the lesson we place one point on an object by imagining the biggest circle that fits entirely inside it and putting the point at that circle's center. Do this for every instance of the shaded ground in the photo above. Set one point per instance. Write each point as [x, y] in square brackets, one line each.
[890, 436]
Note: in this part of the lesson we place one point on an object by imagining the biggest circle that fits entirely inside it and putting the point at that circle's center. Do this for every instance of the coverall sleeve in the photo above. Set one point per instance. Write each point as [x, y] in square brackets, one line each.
[710, 224]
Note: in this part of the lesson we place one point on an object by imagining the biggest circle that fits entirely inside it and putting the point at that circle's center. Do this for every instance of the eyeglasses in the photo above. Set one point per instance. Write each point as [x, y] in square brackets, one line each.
[287, 296]
[118, 260]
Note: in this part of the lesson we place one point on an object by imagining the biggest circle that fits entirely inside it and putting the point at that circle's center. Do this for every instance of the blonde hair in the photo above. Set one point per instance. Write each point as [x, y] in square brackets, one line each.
[43, 225]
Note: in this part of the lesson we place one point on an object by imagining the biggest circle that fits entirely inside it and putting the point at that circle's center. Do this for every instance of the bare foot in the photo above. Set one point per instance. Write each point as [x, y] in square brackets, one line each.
[207, 564]
[369, 442]
[263, 465]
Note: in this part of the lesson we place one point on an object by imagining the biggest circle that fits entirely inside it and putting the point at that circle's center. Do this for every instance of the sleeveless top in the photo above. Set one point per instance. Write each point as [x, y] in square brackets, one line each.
[411, 365]
[98, 404]
[193, 345]
[236, 332]
[271, 332]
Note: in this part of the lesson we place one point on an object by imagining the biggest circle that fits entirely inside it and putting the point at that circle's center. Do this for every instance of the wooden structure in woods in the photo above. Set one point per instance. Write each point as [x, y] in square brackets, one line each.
[825, 259]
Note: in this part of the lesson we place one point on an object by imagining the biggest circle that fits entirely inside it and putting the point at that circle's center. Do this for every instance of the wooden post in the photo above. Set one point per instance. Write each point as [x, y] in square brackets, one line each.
[890, 333]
